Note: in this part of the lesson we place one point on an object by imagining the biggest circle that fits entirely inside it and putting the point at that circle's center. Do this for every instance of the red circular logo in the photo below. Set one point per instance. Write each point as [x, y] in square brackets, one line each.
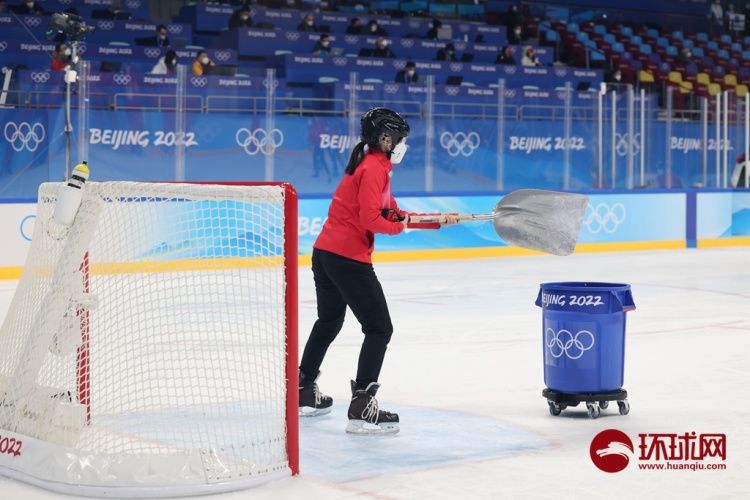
[611, 450]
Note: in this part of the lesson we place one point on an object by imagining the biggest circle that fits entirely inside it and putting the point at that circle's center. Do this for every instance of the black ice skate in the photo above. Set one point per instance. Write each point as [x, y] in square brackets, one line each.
[364, 415]
[311, 402]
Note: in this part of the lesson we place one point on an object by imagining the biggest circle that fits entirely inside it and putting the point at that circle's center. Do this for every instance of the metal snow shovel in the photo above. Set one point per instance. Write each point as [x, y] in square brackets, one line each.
[548, 221]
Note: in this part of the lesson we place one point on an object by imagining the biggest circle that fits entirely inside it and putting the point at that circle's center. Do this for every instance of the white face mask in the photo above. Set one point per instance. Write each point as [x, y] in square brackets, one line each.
[204, 60]
[398, 152]
[68, 52]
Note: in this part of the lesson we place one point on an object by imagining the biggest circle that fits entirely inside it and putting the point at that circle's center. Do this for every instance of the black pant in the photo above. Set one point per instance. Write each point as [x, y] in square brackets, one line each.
[340, 282]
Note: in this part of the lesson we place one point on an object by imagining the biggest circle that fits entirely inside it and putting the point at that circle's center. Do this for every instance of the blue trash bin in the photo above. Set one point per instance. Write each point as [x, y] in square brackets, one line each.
[584, 335]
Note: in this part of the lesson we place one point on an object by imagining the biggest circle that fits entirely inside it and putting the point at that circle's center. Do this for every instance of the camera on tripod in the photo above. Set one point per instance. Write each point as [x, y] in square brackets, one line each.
[69, 24]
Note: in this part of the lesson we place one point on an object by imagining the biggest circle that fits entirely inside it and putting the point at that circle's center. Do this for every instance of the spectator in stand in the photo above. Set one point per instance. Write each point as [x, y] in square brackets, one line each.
[381, 49]
[307, 24]
[28, 8]
[166, 64]
[505, 56]
[515, 36]
[408, 74]
[529, 57]
[716, 17]
[322, 46]
[202, 64]
[447, 53]
[241, 19]
[61, 57]
[374, 29]
[355, 27]
[159, 39]
[432, 33]
[513, 18]
[685, 56]
[115, 11]
[614, 77]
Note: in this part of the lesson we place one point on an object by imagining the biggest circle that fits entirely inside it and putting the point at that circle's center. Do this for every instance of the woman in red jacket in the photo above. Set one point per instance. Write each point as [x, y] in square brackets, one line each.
[342, 268]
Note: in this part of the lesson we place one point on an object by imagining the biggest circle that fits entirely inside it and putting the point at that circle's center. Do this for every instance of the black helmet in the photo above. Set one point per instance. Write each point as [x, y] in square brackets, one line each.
[380, 121]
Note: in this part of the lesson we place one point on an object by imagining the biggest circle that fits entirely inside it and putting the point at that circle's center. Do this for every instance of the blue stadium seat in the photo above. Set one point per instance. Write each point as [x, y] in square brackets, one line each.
[677, 35]
[713, 45]
[746, 40]
[672, 50]
[703, 37]
[737, 47]
[698, 52]
[662, 42]
[723, 54]
[595, 55]
[551, 36]
[726, 39]
[746, 55]
[636, 40]
[645, 49]
[414, 6]
[573, 28]
[439, 9]
[618, 47]
[610, 39]
[627, 31]
[600, 29]
[652, 32]
[582, 36]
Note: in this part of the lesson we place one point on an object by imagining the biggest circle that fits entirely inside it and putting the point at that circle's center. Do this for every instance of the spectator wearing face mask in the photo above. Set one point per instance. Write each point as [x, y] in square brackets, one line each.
[515, 36]
[202, 64]
[241, 19]
[529, 57]
[408, 74]
[307, 24]
[29, 9]
[374, 29]
[61, 57]
[381, 49]
[685, 56]
[166, 64]
[322, 46]
[614, 77]
[447, 53]
[505, 56]
[160, 38]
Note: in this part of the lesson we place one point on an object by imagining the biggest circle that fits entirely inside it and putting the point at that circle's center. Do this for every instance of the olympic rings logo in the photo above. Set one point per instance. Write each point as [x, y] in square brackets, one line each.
[456, 67]
[3, 45]
[390, 88]
[621, 144]
[459, 143]
[65, 2]
[351, 39]
[133, 4]
[259, 140]
[81, 49]
[561, 72]
[509, 69]
[40, 76]
[414, 24]
[340, 61]
[292, 36]
[510, 93]
[198, 81]
[451, 90]
[152, 52]
[106, 25]
[24, 136]
[565, 343]
[407, 42]
[399, 64]
[175, 29]
[604, 218]
[121, 78]
[222, 55]
[32, 21]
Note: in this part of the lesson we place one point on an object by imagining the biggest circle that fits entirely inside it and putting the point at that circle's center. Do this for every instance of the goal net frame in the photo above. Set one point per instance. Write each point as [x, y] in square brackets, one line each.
[215, 476]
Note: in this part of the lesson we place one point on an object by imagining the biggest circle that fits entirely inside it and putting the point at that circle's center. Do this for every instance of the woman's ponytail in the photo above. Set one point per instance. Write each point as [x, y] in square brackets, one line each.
[358, 154]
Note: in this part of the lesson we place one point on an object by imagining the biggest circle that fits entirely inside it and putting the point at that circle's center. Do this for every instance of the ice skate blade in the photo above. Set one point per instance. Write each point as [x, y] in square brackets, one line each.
[309, 411]
[362, 427]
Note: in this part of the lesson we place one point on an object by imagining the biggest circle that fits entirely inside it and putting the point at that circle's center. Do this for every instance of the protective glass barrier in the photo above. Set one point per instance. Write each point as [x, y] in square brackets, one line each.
[498, 136]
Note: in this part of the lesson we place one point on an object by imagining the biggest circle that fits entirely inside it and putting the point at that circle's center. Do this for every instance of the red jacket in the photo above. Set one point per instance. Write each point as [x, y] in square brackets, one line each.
[355, 212]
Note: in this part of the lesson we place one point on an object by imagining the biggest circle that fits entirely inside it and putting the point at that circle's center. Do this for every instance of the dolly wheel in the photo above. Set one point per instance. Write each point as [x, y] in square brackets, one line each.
[624, 407]
[603, 404]
[593, 410]
[554, 408]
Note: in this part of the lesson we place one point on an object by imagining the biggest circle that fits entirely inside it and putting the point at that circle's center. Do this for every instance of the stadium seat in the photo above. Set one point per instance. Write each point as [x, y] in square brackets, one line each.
[688, 43]
[677, 35]
[741, 90]
[662, 42]
[703, 78]
[672, 50]
[703, 37]
[714, 88]
[652, 32]
[730, 80]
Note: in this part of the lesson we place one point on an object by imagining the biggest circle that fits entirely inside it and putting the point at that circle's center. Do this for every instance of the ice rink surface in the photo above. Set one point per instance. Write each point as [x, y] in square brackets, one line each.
[464, 371]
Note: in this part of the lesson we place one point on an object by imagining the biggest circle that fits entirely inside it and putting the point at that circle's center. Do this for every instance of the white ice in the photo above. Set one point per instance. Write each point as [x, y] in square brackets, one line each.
[464, 371]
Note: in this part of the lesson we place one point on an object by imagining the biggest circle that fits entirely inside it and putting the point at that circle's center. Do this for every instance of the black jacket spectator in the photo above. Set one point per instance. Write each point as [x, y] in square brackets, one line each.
[505, 56]
[241, 19]
[355, 27]
[28, 9]
[381, 49]
[447, 53]
[160, 39]
[323, 46]
[408, 74]
[515, 36]
[432, 33]
[307, 24]
[374, 29]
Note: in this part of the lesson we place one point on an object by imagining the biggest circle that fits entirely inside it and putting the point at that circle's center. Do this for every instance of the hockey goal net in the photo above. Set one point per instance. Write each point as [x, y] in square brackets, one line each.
[151, 348]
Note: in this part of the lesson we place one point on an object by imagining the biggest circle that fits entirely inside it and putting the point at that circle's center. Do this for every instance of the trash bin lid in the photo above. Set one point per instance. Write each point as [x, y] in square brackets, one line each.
[585, 296]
